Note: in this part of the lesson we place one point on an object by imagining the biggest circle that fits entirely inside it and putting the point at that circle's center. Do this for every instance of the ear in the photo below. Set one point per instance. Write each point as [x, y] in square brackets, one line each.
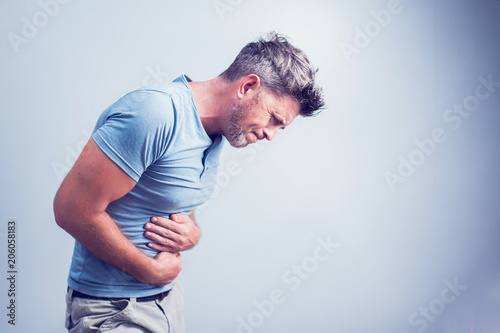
[249, 86]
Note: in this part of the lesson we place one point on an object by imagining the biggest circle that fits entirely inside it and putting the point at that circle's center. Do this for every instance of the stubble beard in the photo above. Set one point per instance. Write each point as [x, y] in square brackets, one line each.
[236, 135]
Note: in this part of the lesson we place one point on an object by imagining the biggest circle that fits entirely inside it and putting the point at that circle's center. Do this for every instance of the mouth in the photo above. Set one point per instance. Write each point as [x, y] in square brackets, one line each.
[259, 137]
[252, 138]
[255, 136]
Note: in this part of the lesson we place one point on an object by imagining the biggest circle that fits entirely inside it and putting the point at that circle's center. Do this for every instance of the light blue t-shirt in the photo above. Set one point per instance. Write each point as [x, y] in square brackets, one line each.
[155, 135]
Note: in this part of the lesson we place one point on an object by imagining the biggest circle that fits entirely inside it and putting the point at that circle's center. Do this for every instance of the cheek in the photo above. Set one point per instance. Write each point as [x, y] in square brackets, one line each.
[254, 119]
[253, 127]
[258, 122]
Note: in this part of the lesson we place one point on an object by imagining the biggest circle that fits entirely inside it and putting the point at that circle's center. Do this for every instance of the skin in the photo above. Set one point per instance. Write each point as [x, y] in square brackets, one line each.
[178, 233]
[242, 105]
[79, 208]
[241, 110]
[249, 114]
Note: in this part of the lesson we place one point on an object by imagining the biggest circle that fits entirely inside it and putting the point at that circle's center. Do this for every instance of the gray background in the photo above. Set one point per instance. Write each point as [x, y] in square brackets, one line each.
[324, 178]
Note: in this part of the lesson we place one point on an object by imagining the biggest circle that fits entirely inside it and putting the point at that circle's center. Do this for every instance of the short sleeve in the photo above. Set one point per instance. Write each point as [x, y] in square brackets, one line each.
[135, 131]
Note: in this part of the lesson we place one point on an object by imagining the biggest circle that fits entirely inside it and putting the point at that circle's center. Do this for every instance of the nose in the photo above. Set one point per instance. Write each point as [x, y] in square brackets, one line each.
[269, 133]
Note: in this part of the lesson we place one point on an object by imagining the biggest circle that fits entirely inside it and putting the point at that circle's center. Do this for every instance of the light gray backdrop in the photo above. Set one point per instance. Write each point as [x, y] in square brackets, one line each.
[380, 215]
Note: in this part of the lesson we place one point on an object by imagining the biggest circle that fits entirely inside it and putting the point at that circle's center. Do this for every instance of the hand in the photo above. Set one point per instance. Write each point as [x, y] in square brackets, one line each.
[179, 233]
[165, 268]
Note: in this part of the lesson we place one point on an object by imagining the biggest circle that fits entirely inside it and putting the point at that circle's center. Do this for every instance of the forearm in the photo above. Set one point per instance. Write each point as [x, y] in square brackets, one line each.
[191, 215]
[99, 234]
[80, 208]
[198, 229]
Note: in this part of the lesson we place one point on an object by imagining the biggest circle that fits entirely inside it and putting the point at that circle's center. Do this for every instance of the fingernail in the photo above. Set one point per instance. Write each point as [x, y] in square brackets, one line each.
[154, 219]
[147, 226]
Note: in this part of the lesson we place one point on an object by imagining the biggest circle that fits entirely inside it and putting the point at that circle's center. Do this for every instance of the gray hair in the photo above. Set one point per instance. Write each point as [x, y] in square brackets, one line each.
[283, 69]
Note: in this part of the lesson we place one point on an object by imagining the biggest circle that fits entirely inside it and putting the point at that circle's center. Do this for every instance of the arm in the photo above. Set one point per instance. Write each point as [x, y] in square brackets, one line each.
[178, 233]
[79, 208]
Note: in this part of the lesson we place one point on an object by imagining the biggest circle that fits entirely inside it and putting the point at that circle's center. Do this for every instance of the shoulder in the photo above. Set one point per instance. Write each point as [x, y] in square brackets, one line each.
[150, 100]
[142, 106]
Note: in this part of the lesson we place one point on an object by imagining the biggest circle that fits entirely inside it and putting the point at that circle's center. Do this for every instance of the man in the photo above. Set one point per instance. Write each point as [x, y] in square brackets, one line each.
[151, 161]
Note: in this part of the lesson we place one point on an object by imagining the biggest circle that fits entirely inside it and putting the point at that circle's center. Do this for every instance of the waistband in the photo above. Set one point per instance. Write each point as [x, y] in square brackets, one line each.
[159, 296]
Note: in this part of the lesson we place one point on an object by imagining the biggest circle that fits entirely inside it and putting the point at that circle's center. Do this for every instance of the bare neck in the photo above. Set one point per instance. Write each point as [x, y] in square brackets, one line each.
[211, 98]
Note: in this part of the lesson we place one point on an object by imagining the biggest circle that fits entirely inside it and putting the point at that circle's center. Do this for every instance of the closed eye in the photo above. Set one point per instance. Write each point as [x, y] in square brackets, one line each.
[277, 121]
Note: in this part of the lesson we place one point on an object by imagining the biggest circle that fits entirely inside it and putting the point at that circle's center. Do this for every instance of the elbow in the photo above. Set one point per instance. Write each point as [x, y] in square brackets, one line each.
[60, 209]
[71, 215]
[59, 220]
[58, 214]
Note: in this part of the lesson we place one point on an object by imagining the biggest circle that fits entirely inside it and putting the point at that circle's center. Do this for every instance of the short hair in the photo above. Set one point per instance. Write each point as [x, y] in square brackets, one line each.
[282, 68]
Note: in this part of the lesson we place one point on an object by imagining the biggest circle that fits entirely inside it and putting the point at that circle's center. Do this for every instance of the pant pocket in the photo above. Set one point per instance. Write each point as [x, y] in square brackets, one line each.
[120, 315]
[67, 322]
[92, 315]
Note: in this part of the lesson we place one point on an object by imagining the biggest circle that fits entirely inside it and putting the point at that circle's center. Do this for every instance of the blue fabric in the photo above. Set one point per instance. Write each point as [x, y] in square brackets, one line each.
[155, 135]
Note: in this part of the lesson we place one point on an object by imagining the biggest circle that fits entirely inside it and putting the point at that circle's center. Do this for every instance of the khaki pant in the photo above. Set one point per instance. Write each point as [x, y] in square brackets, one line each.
[127, 316]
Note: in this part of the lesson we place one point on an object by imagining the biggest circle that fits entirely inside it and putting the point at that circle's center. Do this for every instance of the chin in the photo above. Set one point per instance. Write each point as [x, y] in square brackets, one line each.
[237, 142]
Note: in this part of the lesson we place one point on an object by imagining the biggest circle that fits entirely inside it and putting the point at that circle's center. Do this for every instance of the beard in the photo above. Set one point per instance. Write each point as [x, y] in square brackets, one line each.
[235, 115]
[236, 135]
